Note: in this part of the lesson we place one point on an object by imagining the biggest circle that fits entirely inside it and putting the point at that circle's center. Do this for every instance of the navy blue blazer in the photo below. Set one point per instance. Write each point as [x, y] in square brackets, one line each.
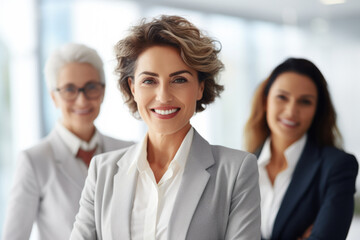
[321, 193]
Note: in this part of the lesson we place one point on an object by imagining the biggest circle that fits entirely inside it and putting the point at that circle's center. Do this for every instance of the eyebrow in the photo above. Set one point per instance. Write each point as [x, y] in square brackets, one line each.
[180, 72]
[149, 73]
[170, 75]
[304, 95]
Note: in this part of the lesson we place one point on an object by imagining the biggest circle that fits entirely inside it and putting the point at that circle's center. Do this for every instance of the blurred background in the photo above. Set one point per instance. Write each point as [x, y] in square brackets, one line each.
[256, 36]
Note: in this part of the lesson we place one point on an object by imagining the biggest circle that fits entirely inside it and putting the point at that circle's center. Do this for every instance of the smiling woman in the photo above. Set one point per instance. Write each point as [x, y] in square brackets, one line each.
[290, 107]
[79, 111]
[165, 88]
[174, 182]
[307, 184]
[50, 175]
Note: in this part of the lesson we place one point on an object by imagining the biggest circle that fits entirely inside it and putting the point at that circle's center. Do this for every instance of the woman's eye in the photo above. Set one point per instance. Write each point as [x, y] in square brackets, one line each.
[90, 86]
[281, 97]
[70, 88]
[149, 81]
[305, 102]
[180, 80]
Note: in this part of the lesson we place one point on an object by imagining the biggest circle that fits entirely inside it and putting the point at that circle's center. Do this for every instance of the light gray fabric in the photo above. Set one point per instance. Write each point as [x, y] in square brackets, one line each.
[47, 188]
[218, 198]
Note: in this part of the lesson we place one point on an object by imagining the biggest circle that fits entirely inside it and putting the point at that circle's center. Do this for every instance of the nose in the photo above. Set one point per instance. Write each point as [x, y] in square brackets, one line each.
[81, 98]
[291, 109]
[164, 94]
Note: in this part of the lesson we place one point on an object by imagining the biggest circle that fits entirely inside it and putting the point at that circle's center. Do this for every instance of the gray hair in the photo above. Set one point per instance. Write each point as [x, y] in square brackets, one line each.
[71, 53]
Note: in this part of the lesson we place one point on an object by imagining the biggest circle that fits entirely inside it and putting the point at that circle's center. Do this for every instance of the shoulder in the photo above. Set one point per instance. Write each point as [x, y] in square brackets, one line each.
[338, 160]
[222, 156]
[36, 162]
[41, 150]
[111, 143]
[225, 154]
[233, 162]
[113, 159]
[332, 154]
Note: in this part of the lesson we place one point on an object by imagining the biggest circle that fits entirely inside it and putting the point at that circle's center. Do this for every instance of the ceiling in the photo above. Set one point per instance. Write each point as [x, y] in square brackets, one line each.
[280, 11]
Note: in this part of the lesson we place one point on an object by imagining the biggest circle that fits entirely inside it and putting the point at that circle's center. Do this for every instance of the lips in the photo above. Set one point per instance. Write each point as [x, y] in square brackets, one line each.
[166, 113]
[82, 111]
[288, 123]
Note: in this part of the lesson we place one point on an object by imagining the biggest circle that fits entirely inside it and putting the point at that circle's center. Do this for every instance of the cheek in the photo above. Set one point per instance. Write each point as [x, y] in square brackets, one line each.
[97, 104]
[141, 97]
[271, 109]
[190, 97]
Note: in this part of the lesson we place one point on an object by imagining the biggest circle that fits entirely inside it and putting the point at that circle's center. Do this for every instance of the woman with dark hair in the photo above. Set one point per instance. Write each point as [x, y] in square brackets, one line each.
[307, 183]
[173, 184]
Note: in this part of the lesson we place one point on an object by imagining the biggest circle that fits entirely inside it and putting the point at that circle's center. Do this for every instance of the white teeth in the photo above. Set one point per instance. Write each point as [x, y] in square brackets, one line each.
[288, 122]
[165, 112]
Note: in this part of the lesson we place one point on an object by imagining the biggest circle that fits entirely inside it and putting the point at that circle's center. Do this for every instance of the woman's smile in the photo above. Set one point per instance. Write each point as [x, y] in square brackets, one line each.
[166, 112]
[165, 90]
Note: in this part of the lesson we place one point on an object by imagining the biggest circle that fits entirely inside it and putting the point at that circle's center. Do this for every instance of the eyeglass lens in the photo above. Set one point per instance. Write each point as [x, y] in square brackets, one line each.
[91, 90]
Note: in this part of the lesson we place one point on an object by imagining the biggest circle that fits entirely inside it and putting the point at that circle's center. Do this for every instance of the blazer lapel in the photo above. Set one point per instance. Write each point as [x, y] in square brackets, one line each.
[303, 175]
[193, 183]
[125, 181]
[66, 161]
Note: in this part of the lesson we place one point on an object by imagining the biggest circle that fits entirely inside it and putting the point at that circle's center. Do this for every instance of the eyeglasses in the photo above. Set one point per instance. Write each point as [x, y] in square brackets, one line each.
[91, 90]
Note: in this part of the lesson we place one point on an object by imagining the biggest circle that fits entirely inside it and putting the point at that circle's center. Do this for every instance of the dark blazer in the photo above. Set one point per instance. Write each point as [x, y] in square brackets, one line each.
[321, 193]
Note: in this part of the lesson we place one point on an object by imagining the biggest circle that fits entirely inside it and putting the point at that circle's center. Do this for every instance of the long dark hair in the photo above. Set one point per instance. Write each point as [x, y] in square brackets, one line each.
[323, 130]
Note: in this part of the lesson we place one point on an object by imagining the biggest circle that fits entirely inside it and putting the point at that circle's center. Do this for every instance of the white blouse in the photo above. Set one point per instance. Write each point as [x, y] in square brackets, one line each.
[74, 143]
[272, 195]
[153, 201]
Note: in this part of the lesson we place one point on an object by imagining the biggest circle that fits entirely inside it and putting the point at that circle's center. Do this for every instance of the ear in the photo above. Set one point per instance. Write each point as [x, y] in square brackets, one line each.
[200, 90]
[54, 98]
[131, 86]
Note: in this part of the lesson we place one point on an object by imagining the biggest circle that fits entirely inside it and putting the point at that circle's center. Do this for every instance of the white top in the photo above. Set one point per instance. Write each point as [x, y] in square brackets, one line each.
[153, 202]
[74, 143]
[272, 195]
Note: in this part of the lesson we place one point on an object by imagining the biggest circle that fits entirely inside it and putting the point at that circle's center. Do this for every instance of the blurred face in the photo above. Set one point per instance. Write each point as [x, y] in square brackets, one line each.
[165, 90]
[77, 114]
[291, 106]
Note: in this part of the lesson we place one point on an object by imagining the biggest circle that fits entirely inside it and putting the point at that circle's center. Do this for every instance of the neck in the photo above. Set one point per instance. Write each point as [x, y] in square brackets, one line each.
[279, 145]
[278, 161]
[85, 133]
[161, 148]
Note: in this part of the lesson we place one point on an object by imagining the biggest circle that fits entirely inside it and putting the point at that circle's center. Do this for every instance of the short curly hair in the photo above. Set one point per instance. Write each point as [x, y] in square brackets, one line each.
[198, 51]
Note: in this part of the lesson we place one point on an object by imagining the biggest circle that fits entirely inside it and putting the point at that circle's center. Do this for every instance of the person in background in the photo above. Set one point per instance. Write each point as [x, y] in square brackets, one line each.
[173, 184]
[307, 182]
[50, 176]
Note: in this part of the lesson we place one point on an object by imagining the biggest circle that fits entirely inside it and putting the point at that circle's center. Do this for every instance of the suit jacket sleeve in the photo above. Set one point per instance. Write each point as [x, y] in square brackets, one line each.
[244, 217]
[336, 212]
[23, 201]
[84, 226]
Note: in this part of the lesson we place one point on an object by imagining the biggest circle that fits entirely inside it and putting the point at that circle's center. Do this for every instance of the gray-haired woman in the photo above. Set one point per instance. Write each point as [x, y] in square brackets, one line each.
[50, 176]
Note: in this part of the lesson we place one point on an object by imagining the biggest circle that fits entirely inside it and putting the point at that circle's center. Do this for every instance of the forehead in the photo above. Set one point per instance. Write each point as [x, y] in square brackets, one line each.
[77, 73]
[161, 59]
[294, 83]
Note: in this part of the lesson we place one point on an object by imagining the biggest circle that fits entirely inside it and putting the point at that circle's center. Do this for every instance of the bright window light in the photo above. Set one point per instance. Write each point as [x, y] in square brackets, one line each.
[332, 2]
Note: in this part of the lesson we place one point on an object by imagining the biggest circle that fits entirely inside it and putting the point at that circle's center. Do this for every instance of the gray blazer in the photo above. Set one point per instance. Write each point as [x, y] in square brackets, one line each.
[218, 198]
[47, 188]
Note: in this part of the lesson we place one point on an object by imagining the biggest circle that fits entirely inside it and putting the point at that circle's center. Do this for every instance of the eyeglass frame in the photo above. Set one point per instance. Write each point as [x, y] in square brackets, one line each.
[78, 90]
